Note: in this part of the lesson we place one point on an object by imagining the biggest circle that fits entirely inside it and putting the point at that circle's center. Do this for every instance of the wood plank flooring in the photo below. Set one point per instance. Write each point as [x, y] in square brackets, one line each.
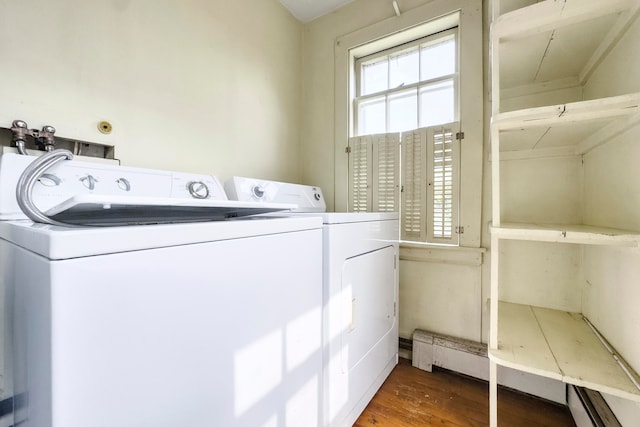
[412, 397]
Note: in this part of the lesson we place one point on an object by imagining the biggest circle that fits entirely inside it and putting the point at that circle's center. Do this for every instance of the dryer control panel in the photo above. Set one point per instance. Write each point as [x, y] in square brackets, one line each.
[307, 197]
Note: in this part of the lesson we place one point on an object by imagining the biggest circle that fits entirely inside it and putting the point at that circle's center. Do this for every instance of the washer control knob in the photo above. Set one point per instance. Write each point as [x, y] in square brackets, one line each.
[89, 181]
[49, 180]
[123, 184]
[198, 190]
[258, 191]
[316, 196]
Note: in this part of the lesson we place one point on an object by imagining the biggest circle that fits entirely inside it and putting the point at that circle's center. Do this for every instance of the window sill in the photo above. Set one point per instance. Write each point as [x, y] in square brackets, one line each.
[441, 254]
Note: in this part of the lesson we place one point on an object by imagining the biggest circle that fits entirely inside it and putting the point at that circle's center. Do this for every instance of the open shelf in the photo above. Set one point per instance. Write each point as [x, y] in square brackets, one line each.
[551, 14]
[559, 345]
[604, 109]
[555, 46]
[561, 233]
[536, 130]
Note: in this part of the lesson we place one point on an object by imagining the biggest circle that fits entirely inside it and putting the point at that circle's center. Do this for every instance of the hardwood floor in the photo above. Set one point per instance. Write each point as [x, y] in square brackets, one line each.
[412, 397]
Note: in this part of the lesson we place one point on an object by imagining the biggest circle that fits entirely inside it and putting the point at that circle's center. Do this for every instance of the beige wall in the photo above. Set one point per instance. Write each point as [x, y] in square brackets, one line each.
[206, 86]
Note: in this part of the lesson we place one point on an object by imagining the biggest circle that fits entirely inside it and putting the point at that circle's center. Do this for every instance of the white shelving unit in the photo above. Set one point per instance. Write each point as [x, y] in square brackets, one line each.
[529, 50]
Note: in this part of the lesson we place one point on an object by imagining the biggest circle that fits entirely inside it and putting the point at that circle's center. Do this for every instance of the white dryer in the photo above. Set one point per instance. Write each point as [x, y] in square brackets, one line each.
[160, 325]
[360, 294]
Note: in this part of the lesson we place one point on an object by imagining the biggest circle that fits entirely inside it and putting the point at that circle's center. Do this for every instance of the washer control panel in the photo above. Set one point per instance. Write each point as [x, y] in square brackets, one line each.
[70, 178]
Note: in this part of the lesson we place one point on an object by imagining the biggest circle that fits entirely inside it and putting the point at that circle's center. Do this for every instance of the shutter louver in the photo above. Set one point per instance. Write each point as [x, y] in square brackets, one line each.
[360, 159]
[428, 160]
[443, 188]
[386, 157]
[414, 161]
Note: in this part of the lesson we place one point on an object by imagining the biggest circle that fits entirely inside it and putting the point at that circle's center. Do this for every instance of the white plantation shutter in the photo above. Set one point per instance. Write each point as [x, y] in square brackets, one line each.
[386, 169]
[374, 165]
[414, 182]
[426, 164]
[360, 188]
[443, 175]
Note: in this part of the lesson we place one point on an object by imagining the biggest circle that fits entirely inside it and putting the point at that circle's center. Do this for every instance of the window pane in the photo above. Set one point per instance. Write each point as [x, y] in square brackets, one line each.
[402, 111]
[374, 77]
[371, 116]
[438, 59]
[437, 104]
[404, 68]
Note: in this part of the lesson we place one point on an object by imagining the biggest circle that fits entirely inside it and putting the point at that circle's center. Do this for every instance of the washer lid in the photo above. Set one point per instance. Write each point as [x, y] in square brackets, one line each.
[107, 210]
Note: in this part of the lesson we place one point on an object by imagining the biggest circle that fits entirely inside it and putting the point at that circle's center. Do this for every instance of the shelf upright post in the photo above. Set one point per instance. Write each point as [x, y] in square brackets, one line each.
[493, 332]
[495, 184]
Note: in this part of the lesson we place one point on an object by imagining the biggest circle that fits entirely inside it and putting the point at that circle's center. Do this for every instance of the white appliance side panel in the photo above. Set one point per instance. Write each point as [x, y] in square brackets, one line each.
[350, 373]
[214, 334]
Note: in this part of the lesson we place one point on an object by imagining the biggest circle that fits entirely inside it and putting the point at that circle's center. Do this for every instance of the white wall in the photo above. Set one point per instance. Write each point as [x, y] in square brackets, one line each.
[206, 86]
[612, 197]
[440, 297]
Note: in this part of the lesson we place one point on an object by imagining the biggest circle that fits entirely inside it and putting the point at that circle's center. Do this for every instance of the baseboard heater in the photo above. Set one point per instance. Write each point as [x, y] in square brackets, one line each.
[589, 409]
[429, 349]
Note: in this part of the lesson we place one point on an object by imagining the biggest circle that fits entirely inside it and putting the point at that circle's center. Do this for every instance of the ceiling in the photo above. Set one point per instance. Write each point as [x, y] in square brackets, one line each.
[308, 10]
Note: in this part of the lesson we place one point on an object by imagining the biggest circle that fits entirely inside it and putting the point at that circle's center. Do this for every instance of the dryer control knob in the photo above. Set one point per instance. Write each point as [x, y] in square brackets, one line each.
[258, 191]
[198, 189]
[316, 196]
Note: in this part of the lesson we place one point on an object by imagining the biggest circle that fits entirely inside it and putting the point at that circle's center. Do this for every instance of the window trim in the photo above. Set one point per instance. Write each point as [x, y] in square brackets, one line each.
[429, 18]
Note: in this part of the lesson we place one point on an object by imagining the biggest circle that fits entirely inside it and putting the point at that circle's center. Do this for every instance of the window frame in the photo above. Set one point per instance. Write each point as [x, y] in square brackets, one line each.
[426, 19]
[388, 93]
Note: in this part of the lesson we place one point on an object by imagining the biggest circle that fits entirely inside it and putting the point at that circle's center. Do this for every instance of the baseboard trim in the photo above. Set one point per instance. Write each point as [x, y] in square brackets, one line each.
[470, 358]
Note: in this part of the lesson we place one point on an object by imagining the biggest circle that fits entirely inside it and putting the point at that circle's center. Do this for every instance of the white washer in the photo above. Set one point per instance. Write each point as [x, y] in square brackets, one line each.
[165, 325]
[360, 315]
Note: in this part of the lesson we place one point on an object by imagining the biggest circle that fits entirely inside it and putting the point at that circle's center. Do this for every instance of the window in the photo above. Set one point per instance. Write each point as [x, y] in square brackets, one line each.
[405, 113]
[407, 87]
[368, 111]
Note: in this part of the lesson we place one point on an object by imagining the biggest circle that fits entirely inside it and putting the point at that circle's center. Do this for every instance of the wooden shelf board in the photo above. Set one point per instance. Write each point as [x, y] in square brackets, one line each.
[561, 233]
[531, 354]
[550, 14]
[596, 109]
[558, 344]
